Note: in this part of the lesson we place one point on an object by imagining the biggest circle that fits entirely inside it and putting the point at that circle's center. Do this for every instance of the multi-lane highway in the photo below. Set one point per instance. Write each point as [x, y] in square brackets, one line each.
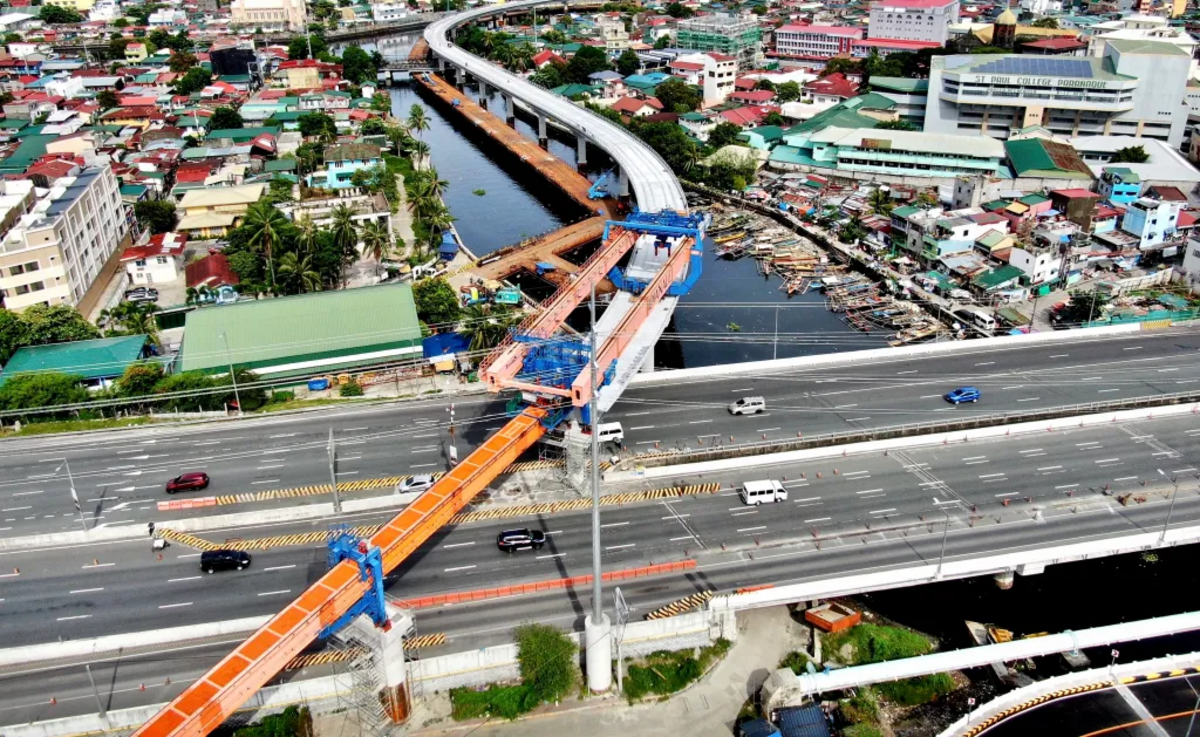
[105, 589]
[120, 475]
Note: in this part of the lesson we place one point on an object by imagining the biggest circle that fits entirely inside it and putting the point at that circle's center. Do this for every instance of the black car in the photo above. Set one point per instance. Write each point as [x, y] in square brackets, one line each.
[512, 540]
[220, 560]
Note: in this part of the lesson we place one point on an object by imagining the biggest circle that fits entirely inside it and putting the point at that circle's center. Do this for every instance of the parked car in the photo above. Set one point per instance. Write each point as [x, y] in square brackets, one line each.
[963, 394]
[141, 292]
[420, 482]
[141, 297]
[523, 539]
[188, 482]
[212, 561]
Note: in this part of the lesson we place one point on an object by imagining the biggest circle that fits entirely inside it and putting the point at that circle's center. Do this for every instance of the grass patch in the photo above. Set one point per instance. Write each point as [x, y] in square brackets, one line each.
[48, 428]
[919, 690]
[505, 702]
[796, 661]
[862, 707]
[862, 730]
[663, 673]
[305, 403]
[873, 643]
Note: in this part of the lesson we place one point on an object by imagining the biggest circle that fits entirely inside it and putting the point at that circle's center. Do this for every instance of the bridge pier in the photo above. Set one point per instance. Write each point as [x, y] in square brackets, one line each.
[622, 183]
[581, 152]
[1004, 581]
[483, 94]
[510, 111]
[543, 138]
[389, 649]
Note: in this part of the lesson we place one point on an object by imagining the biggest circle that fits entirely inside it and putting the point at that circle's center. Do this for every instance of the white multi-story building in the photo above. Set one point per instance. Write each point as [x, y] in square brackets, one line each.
[269, 15]
[104, 11]
[166, 17]
[1137, 89]
[388, 13]
[816, 41]
[612, 31]
[54, 253]
[913, 20]
[716, 75]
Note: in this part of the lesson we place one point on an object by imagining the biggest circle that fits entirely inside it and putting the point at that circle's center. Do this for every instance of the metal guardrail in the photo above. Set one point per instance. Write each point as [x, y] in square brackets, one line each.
[737, 450]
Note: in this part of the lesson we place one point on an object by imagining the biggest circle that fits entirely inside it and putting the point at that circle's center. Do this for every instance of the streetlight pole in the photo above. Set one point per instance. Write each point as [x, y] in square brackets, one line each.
[1192, 721]
[74, 495]
[775, 343]
[1162, 539]
[337, 499]
[942, 555]
[232, 376]
[597, 630]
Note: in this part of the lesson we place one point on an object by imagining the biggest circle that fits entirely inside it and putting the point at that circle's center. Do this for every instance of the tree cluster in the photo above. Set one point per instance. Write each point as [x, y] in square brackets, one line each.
[157, 215]
[42, 325]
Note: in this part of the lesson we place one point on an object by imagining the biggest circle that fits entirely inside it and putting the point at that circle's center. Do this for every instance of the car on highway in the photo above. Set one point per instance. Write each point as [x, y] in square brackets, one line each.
[748, 406]
[420, 482]
[963, 394]
[188, 482]
[212, 561]
[523, 539]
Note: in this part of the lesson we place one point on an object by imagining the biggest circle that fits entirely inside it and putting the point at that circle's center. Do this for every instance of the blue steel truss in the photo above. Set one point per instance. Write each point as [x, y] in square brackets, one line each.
[554, 362]
[343, 545]
[664, 224]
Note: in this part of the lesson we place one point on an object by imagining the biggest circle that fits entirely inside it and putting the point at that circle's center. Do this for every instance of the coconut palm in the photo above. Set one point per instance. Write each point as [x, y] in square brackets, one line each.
[345, 233]
[417, 119]
[377, 241]
[502, 55]
[521, 58]
[420, 152]
[297, 274]
[881, 202]
[265, 222]
[132, 318]
[487, 325]
[308, 235]
[396, 135]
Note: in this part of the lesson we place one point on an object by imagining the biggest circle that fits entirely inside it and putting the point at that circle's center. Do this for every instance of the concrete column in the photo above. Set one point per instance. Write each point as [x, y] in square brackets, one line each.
[483, 94]
[389, 647]
[622, 183]
[597, 643]
[647, 366]
[580, 151]
[442, 66]
[543, 139]
[1004, 581]
[510, 112]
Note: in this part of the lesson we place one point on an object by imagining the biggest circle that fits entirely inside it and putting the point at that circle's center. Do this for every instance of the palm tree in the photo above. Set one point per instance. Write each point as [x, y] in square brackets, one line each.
[880, 201]
[502, 55]
[420, 152]
[396, 134]
[131, 318]
[377, 241]
[417, 119]
[522, 58]
[298, 273]
[433, 184]
[345, 233]
[308, 235]
[487, 325]
[264, 222]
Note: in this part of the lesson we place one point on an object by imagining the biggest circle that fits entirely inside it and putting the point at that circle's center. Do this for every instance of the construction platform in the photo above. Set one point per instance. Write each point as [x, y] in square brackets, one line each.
[544, 249]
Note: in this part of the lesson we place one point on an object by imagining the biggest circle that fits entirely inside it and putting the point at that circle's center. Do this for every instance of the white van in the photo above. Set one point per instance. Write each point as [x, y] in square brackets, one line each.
[979, 318]
[610, 432]
[762, 492]
[748, 406]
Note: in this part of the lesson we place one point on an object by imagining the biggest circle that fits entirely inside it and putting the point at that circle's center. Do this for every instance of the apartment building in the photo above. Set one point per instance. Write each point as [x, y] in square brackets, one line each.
[1136, 89]
[913, 20]
[714, 73]
[731, 35]
[821, 42]
[269, 15]
[54, 253]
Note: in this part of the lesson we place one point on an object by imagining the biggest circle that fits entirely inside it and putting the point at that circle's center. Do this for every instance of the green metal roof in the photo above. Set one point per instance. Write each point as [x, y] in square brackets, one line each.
[30, 150]
[1041, 158]
[1033, 199]
[997, 277]
[903, 212]
[91, 359]
[242, 135]
[900, 84]
[844, 115]
[314, 327]
[280, 165]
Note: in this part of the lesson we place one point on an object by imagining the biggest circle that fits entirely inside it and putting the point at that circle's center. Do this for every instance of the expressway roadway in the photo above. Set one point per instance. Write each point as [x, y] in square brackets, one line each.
[64, 593]
[120, 475]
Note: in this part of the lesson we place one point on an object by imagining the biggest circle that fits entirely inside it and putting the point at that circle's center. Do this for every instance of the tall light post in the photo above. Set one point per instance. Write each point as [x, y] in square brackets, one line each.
[1162, 539]
[597, 631]
[1195, 708]
[775, 343]
[942, 555]
[232, 376]
[74, 495]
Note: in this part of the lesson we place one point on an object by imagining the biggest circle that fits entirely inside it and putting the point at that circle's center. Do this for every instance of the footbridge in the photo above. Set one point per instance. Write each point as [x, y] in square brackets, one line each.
[659, 245]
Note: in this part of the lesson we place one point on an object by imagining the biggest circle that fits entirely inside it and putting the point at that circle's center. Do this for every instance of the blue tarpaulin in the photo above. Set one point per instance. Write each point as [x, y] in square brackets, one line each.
[444, 344]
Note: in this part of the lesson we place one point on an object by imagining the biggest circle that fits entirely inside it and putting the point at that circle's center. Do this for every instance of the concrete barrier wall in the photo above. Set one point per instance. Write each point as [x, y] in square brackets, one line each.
[1015, 342]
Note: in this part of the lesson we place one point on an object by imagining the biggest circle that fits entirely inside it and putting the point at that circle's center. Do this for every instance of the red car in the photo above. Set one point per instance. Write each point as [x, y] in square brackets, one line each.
[188, 482]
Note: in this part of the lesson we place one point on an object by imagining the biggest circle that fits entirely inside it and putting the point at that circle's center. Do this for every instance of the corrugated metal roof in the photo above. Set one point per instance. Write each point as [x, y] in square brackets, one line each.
[91, 359]
[307, 327]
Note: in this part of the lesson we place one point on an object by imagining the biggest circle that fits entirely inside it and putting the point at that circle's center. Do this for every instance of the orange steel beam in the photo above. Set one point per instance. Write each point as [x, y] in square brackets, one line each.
[504, 363]
[217, 694]
[622, 336]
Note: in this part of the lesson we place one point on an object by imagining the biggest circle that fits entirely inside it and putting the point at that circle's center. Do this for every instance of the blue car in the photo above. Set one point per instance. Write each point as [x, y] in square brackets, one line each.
[963, 394]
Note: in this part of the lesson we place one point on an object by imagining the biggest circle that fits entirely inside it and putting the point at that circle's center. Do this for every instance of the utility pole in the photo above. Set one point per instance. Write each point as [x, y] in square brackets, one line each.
[232, 376]
[1162, 539]
[337, 499]
[74, 495]
[775, 343]
[597, 630]
[96, 692]
[942, 555]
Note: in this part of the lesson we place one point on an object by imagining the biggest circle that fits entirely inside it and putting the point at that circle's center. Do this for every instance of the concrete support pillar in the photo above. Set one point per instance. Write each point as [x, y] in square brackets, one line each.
[442, 66]
[389, 646]
[647, 366]
[543, 138]
[1004, 581]
[483, 94]
[510, 112]
[580, 152]
[622, 183]
[597, 644]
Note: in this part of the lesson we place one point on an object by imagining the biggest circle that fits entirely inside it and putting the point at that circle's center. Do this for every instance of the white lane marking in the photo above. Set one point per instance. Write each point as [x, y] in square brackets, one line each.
[974, 463]
[1106, 391]
[699, 422]
[273, 593]
[1049, 468]
[845, 406]
[99, 565]
[1092, 378]
[854, 473]
[752, 529]
[1029, 399]
[1060, 355]
[86, 591]
[206, 442]
[618, 547]
[857, 419]
[1032, 450]
[285, 435]
[990, 475]
[676, 516]
[735, 391]
[182, 603]
[15, 509]
[458, 545]
[280, 568]
[637, 414]
[615, 524]
[1166, 370]
[809, 499]
[883, 511]
[985, 363]
[869, 491]
[272, 468]
[769, 429]
[266, 481]
[188, 555]
[646, 442]
[902, 373]
[817, 519]
[347, 473]
[1010, 493]
[974, 458]
[930, 396]
[185, 578]
[1133, 348]
[743, 514]
[1126, 478]
[1108, 460]
[547, 557]
[1014, 386]
[674, 539]
[422, 465]
[1066, 486]
[642, 427]
[425, 435]
[29, 493]
[456, 568]
[354, 429]
[77, 616]
[1184, 470]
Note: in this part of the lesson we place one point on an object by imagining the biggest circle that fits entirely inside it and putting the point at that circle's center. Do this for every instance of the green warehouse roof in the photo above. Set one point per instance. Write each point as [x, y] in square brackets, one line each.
[1035, 157]
[91, 359]
[305, 334]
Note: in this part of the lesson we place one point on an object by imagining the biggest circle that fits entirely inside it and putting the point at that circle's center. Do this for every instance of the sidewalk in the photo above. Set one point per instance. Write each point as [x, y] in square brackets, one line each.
[709, 707]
